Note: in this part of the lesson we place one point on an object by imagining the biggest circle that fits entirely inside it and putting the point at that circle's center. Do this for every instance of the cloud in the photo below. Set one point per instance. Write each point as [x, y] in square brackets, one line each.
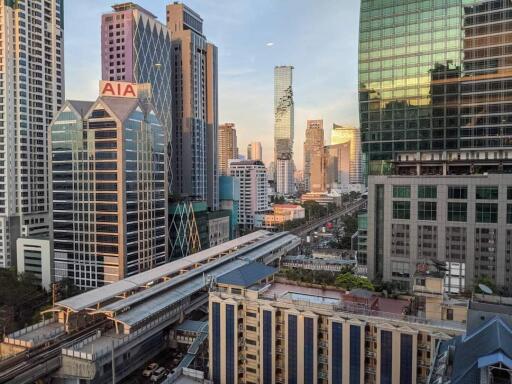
[270, 44]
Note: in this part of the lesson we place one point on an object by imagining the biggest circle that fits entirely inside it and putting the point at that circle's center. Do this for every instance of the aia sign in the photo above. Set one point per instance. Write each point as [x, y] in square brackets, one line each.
[118, 89]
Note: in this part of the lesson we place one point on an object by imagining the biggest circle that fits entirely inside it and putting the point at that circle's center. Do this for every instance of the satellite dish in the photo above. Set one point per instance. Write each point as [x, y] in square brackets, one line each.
[485, 289]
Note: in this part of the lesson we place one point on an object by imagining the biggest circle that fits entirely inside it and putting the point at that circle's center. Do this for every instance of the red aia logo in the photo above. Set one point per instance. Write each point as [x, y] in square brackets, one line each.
[118, 89]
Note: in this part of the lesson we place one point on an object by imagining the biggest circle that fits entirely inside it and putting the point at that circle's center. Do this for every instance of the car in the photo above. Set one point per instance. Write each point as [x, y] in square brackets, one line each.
[150, 369]
[158, 374]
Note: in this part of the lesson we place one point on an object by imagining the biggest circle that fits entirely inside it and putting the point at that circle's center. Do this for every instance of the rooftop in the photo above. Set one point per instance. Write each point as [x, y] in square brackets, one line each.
[247, 275]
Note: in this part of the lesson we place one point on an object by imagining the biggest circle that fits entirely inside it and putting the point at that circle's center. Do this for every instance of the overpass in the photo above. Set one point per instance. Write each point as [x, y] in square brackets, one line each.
[333, 217]
[128, 322]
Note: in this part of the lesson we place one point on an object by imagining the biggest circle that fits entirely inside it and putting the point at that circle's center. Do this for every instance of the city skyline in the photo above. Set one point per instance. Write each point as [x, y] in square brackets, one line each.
[246, 61]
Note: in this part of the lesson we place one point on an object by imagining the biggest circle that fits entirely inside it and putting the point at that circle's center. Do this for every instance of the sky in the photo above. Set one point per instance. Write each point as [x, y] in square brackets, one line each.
[319, 38]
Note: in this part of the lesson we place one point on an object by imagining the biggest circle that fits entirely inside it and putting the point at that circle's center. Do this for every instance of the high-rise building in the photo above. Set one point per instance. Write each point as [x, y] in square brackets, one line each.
[435, 97]
[252, 177]
[283, 129]
[313, 154]
[109, 187]
[136, 47]
[254, 151]
[262, 331]
[351, 137]
[195, 107]
[31, 92]
[227, 146]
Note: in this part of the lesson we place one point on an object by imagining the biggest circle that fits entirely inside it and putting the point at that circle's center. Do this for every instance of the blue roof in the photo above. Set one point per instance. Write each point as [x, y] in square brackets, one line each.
[490, 342]
[247, 275]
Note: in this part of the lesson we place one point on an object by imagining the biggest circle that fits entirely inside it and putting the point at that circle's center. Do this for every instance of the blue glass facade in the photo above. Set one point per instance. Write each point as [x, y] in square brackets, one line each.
[405, 359]
[216, 358]
[309, 350]
[386, 357]
[292, 349]
[355, 354]
[267, 347]
[337, 352]
[230, 344]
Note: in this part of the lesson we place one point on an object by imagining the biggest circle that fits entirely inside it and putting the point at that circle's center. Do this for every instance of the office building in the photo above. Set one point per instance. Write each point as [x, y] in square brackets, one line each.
[31, 92]
[252, 177]
[283, 129]
[219, 230]
[350, 138]
[227, 146]
[314, 157]
[109, 187]
[229, 199]
[254, 151]
[184, 236]
[195, 107]
[262, 331]
[434, 112]
[34, 256]
[136, 48]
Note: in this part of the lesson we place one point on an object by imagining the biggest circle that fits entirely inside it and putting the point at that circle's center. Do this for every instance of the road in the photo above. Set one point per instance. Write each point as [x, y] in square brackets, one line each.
[310, 227]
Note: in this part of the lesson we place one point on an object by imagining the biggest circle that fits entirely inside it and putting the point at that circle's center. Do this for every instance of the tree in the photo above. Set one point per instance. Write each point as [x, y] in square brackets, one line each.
[350, 281]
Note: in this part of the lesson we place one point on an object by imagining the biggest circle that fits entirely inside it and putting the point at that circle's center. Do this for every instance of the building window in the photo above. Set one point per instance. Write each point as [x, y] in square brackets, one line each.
[401, 210]
[405, 359]
[449, 314]
[292, 349]
[487, 193]
[337, 353]
[309, 350]
[427, 192]
[355, 355]
[267, 347]
[486, 212]
[230, 344]
[402, 191]
[458, 192]
[400, 269]
[386, 357]
[427, 210]
[509, 193]
[457, 211]
[216, 342]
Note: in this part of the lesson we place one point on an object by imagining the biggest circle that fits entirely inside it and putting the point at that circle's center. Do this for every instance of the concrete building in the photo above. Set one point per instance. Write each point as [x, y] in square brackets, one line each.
[252, 177]
[349, 160]
[280, 214]
[283, 129]
[284, 180]
[254, 151]
[323, 198]
[227, 146]
[313, 156]
[195, 107]
[462, 221]
[109, 187]
[35, 257]
[266, 331]
[219, 227]
[436, 131]
[31, 92]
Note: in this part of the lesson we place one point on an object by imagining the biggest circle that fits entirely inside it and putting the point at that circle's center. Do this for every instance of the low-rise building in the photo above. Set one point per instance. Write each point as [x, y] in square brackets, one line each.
[34, 256]
[262, 331]
[280, 214]
[323, 198]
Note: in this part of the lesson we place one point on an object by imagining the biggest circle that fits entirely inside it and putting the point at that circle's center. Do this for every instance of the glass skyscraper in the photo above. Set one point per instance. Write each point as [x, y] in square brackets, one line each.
[435, 92]
[283, 128]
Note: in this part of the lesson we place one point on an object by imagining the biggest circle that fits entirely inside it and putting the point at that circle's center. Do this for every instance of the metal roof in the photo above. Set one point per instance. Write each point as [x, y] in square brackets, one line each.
[247, 275]
[90, 299]
[191, 326]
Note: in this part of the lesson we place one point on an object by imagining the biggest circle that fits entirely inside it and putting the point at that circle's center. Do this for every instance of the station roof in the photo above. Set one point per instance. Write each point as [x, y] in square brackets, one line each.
[91, 299]
[247, 275]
